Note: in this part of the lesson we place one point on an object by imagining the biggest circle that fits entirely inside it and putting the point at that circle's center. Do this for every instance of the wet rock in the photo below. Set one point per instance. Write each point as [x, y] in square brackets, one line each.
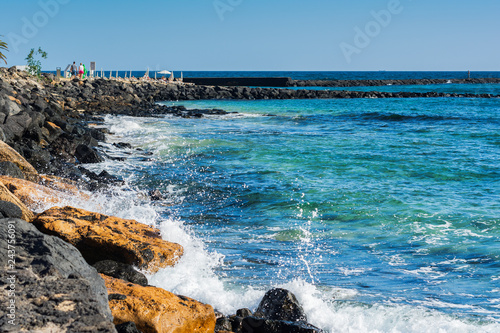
[261, 325]
[122, 145]
[101, 237]
[156, 195]
[86, 154]
[56, 290]
[120, 271]
[156, 310]
[223, 324]
[280, 304]
[243, 313]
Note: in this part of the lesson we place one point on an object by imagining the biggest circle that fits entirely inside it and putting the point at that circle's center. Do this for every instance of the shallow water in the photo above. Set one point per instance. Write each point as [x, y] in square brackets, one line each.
[381, 215]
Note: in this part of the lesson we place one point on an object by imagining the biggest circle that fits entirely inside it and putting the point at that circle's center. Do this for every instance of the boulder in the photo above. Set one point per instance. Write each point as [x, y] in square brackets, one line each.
[12, 106]
[38, 197]
[155, 310]
[15, 126]
[119, 270]
[55, 289]
[280, 304]
[101, 237]
[6, 195]
[8, 154]
[51, 131]
[86, 154]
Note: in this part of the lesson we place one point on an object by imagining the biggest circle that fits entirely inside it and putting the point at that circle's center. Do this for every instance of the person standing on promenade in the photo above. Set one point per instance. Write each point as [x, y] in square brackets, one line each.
[80, 74]
[74, 69]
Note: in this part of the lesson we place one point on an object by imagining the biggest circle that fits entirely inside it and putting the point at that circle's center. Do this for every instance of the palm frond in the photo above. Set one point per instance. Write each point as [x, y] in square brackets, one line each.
[3, 46]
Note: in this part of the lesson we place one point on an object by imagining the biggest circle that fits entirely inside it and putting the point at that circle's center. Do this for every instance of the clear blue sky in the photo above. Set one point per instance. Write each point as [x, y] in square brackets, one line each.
[329, 35]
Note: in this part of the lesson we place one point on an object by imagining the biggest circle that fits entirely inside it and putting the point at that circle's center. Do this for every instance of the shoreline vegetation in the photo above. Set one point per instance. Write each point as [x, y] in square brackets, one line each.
[86, 278]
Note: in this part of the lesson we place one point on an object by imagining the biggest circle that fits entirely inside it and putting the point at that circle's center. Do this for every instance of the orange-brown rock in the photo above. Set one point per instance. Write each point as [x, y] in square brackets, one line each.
[7, 195]
[101, 237]
[154, 310]
[8, 154]
[36, 196]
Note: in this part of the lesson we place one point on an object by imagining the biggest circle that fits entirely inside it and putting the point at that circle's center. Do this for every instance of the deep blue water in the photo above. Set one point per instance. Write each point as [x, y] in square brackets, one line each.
[382, 215]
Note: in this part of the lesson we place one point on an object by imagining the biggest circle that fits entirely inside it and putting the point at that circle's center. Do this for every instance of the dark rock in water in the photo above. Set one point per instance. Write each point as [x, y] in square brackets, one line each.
[121, 271]
[244, 313]
[156, 195]
[104, 178]
[236, 323]
[261, 325]
[108, 178]
[128, 327]
[56, 289]
[122, 145]
[86, 154]
[10, 210]
[10, 169]
[280, 304]
[223, 324]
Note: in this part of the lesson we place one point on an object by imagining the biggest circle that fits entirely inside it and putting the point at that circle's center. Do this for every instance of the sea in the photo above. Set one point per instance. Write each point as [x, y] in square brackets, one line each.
[380, 215]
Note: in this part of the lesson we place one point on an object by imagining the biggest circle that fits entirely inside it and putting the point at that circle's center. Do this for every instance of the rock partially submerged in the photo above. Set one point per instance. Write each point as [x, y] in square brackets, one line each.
[101, 237]
[280, 304]
[279, 311]
[154, 310]
[53, 289]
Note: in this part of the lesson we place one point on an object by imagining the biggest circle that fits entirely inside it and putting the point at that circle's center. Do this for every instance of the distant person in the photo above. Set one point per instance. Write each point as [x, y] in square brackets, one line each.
[74, 69]
[82, 69]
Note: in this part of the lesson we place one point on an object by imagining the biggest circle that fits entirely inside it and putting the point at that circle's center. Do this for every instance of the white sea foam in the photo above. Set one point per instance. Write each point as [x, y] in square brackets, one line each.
[194, 275]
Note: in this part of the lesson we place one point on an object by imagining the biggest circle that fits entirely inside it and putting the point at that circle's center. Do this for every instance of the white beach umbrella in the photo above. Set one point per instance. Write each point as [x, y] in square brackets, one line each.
[164, 72]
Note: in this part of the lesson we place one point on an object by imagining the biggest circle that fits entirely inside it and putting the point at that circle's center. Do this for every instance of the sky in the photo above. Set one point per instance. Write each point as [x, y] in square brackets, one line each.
[256, 35]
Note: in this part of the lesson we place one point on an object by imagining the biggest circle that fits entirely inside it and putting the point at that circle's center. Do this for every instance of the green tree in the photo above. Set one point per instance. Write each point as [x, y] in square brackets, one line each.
[35, 65]
[3, 46]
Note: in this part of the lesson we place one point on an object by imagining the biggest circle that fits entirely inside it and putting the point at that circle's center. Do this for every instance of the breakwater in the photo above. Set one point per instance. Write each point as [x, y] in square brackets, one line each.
[283, 82]
[374, 83]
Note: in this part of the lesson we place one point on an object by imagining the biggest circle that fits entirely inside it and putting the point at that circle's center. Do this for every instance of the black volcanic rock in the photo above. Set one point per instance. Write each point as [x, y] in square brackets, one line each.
[280, 304]
[86, 154]
[121, 271]
[55, 289]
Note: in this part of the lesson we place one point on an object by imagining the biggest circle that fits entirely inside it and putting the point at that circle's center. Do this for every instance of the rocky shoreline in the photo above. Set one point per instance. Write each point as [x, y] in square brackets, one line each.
[67, 269]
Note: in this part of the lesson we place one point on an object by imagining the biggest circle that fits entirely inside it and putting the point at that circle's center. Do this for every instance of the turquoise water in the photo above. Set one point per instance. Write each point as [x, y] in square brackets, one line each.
[449, 88]
[382, 215]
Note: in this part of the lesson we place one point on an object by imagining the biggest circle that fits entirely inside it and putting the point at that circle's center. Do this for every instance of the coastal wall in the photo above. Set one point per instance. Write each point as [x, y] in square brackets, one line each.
[372, 83]
[241, 81]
